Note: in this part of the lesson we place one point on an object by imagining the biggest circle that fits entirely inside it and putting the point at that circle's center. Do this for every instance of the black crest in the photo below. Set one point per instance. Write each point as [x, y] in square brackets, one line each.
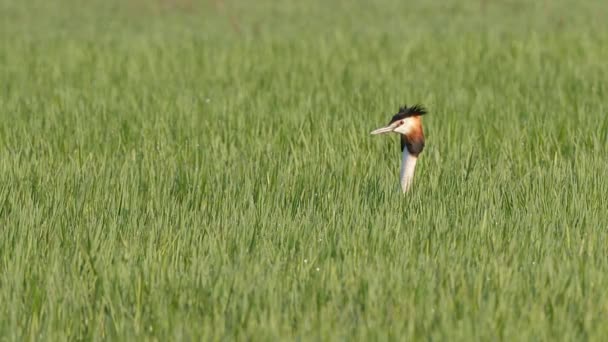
[406, 112]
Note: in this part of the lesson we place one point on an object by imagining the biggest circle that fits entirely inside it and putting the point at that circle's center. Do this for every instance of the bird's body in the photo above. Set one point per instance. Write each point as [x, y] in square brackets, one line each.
[408, 124]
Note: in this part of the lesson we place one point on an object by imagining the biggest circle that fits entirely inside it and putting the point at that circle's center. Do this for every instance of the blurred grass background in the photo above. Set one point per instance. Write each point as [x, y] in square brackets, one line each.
[204, 170]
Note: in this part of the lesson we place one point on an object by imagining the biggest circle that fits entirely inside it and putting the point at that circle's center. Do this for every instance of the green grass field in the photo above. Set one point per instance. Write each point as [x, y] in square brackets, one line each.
[175, 170]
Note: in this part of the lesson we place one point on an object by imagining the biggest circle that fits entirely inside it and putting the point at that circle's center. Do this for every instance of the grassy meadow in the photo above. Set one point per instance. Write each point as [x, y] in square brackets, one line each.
[182, 170]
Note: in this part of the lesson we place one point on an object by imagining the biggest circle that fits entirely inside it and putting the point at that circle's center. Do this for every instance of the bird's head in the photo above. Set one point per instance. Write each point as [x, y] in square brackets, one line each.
[406, 121]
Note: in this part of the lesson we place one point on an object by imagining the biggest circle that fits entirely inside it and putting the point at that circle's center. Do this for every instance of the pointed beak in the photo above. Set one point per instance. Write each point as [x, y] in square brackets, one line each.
[383, 130]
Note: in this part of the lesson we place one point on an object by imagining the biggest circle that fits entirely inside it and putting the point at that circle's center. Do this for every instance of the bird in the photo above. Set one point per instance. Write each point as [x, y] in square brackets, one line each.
[408, 124]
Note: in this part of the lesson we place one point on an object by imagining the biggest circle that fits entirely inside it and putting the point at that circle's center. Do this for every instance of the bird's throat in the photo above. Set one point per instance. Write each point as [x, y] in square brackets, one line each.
[408, 165]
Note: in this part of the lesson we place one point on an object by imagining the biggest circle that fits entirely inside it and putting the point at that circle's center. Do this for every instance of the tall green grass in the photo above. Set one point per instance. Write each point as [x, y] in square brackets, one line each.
[204, 171]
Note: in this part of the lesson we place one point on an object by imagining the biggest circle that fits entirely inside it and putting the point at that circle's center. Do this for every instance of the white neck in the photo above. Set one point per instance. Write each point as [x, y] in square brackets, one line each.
[408, 164]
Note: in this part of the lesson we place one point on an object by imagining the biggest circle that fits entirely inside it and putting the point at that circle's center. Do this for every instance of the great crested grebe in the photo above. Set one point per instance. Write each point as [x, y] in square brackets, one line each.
[408, 123]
